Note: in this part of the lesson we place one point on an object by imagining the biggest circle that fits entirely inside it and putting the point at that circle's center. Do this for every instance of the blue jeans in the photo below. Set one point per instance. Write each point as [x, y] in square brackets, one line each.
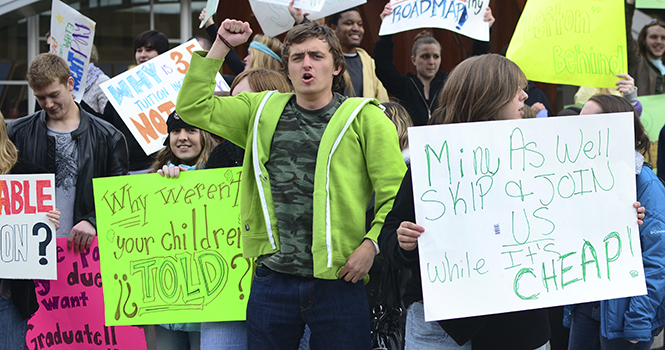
[585, 332]
[280, 305]
[224, 335]
[167, 339]
[12, 326]
[421, 335]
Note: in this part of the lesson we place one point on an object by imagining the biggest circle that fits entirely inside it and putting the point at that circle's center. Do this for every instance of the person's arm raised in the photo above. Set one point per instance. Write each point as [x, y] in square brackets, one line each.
[231, 33]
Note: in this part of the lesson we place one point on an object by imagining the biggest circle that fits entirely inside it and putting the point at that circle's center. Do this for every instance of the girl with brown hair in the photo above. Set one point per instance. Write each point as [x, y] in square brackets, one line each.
[482, 88]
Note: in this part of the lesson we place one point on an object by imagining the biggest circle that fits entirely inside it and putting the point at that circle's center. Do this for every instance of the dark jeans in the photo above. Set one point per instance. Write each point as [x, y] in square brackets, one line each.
[12, 326]
[585, 332]
[280, 305]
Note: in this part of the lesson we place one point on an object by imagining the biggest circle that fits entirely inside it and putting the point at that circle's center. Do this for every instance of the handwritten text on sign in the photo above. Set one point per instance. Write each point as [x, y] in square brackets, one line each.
[571, 42]
[72, 36]
[145, 95]
[460, 16]
[171, 247]
[518, 218]
[27, 237]
[70, 312]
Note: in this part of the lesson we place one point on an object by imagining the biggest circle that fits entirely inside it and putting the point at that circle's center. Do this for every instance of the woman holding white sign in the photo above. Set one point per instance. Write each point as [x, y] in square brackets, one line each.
[628, 323]
[482, 88]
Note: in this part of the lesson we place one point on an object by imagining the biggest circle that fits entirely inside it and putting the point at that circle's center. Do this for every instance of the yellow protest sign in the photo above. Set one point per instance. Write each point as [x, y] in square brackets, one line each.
[170, 248]
[571, 42]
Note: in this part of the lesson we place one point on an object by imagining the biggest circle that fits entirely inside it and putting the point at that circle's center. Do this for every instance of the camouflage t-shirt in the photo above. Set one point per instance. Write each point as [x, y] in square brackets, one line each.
[291, 167]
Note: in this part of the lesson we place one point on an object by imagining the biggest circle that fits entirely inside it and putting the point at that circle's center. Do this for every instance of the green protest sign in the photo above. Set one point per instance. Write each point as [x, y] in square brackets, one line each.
[653, 119]
[170, 248]
[650, 4]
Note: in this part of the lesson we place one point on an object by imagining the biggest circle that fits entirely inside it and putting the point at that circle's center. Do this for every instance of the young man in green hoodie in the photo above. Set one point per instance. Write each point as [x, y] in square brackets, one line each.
[313, 159]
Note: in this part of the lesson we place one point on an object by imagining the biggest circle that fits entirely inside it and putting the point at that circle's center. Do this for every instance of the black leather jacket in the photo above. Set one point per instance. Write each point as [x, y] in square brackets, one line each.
[102, 151]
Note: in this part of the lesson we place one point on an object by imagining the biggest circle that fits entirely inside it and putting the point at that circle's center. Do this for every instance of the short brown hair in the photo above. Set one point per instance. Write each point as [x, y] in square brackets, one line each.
[305, 31]
[47, 68]
[477, 89]
[263, 80]
[617, 104]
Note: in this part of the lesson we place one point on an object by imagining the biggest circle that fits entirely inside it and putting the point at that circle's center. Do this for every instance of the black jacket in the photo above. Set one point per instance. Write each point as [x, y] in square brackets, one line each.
[408, 88]
[102, 152]
[523, 330]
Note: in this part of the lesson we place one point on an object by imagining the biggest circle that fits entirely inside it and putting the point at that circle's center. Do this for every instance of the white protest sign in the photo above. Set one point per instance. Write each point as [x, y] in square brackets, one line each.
[27, 237]
[275, 19]
[72, 35]
[307, 5]
[526, 214]
[460, 16]
[145, 95]
[211, 9]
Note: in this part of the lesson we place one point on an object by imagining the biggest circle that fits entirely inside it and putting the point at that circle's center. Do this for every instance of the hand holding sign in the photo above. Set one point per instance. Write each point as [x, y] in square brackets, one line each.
[81, 236]
[407, 235]
[296, 13]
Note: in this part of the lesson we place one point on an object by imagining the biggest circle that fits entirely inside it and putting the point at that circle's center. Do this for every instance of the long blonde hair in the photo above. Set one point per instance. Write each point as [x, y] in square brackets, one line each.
[402, 120]
[165, 155]
[8, 152]
[260, 59]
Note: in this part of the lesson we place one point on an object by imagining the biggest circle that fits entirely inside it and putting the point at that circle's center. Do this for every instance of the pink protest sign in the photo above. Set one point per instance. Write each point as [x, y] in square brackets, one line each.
[71, 308]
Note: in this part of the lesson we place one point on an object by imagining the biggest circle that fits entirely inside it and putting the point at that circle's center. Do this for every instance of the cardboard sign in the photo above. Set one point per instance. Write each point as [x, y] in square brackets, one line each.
[307, 5]
[72, 35]
[275, 19]
[571, 42]
[145, 95]
[70, 314]
[460, 16]
[517, 218]
[650, 4]
[653, 120]
[175, 244]
[27, 236]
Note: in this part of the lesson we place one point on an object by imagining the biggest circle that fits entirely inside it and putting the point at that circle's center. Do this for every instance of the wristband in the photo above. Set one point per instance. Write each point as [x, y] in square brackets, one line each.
[224, 41]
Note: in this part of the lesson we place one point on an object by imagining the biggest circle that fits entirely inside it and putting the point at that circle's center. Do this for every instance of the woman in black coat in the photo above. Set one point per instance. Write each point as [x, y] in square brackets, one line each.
[417, 92]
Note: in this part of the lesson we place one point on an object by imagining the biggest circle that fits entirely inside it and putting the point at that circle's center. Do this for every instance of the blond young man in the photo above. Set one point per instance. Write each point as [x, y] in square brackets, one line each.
[69, 142]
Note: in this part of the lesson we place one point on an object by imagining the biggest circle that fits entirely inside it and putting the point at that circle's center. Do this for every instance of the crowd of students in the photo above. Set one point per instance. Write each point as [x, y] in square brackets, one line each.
[321, 147]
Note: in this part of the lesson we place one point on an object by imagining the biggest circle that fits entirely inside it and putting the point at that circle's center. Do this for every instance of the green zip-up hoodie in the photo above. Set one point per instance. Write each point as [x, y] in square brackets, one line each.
[359, 153]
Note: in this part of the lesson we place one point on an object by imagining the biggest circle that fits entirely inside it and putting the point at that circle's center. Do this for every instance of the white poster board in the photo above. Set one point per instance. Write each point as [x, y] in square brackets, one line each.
[275, 19]
[145, 95]
[525, 214]
[211, 9]
[460, 16]
[27, 237]
[305, 5]
[72, 36]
